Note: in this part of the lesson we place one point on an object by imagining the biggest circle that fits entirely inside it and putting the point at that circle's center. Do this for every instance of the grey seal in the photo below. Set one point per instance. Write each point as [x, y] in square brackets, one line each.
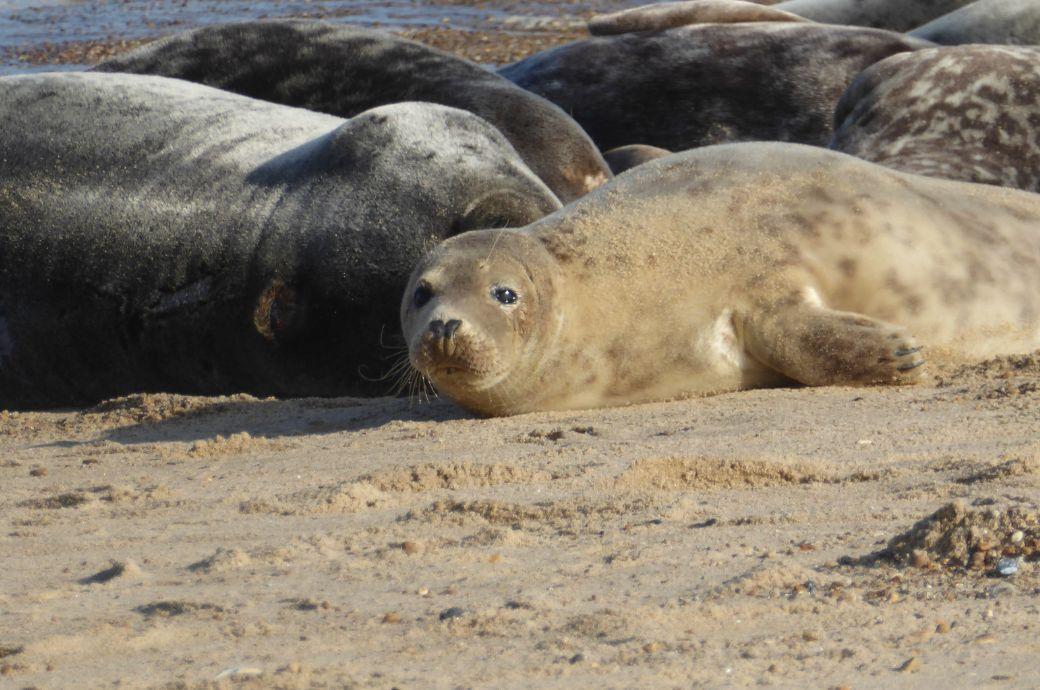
[698, 85]
[344, 71]
[165, 236]
[726, 268]
[968, 113]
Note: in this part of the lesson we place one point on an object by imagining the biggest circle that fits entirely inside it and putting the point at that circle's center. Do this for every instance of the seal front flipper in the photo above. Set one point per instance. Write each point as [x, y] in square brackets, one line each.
[818, 346]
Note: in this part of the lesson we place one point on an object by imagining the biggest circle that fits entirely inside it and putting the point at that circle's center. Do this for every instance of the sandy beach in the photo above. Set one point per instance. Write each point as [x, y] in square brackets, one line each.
[817, 538]
[173, 542]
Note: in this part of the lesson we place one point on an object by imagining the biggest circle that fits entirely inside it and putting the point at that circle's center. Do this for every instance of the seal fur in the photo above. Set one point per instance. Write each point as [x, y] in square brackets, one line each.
[668, 15]
[676, 280]
[164, 236]
[344, 71]
[968, 113]
[700, 85]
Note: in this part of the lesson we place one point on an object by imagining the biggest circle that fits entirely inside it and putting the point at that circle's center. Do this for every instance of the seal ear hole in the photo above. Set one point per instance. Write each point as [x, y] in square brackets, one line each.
[279, 312]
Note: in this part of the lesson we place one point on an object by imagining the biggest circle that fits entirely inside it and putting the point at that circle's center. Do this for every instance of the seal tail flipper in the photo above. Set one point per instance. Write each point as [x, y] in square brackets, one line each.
[668, 15]
[818, 346]
[999, 22]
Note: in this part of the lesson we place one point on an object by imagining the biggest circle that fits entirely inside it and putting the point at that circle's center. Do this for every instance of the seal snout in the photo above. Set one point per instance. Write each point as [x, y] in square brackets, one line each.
[439, 341]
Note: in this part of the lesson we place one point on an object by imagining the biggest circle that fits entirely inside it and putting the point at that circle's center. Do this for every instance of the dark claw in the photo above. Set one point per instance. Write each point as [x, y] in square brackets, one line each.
[912, 365]
[910, 351]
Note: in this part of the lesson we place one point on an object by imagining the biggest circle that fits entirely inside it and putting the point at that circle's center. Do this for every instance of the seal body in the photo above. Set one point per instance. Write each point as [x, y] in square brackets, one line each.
[627, 157]
[668, 15]
[968, 113]
[895, 15]
[700, 85]
[726, 268]
[344, 71]
[161, 235]
[1009, 22]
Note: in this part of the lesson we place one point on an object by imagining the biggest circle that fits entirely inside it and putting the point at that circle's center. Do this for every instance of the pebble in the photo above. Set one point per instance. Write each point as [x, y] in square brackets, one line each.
[911, 665]
[453, 612]
[38, 472]
[1007, 566]
[942, 627]
[392, 617]
[411, 547]
[919, 558]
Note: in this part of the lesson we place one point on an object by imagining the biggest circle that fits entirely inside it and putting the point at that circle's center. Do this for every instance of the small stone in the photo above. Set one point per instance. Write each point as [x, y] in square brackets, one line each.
[651, 647]
[978, 560]
[919, 558]
[1017, 536]
[453, 612]
[38, 472]
[411, 547]
[494, 558]
[577, 658]
[810, 636]
[911, 665]
[423, 591]
[392, 617]
[773, 668]
[985, 638]
[942, 627]
[1006, 567]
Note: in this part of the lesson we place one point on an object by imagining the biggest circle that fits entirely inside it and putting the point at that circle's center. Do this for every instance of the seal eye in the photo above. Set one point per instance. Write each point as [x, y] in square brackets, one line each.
[422, 295]
[504, 295]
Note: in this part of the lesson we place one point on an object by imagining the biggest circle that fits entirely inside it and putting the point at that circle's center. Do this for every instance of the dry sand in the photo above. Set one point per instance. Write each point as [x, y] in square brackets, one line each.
[165, 541]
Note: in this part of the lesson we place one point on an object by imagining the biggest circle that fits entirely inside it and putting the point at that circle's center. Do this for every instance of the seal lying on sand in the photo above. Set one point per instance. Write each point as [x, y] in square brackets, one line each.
[968, 113]
[727, 268]
[344, 71]
[668, 15]
[1008, 22]
[700, 85]
[160, 235]
[950, 22]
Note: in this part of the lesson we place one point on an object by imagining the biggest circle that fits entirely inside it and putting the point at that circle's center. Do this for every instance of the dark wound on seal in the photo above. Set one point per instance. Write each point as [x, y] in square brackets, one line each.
[344, 71]
[165, 236]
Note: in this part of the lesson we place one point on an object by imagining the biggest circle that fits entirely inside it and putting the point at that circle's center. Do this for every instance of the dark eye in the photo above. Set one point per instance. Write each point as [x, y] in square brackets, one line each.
[422, 295]
[504, 295]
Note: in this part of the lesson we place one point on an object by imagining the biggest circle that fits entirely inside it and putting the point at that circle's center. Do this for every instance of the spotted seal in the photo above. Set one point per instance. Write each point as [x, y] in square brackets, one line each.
[726, 268]
[967, 113]
[344, 71]
[699, 85]
[165, 236]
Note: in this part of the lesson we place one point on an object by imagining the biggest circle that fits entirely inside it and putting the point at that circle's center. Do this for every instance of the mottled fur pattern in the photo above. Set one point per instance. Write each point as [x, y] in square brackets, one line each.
[161, 235]
[968, 113]
[699, 85]
[732, 267]
[344, 71]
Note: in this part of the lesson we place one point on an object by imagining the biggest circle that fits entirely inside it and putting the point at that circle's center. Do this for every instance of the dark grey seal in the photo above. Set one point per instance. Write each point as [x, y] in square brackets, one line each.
[344, 71]
[627, 157]
[1008, 22]
[969, 113]
[698, 85]
[895, 15]
[165, 236]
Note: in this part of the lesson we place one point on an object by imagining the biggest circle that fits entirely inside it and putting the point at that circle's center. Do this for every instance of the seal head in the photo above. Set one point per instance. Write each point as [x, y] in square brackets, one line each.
[480, 317]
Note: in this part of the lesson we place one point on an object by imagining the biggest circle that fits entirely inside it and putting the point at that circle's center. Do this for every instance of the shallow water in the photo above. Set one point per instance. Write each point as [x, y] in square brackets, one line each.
[26, 26]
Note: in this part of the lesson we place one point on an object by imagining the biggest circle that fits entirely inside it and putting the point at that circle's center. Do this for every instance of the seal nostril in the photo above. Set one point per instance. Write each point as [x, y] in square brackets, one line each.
[436, 328]
[451, 327]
